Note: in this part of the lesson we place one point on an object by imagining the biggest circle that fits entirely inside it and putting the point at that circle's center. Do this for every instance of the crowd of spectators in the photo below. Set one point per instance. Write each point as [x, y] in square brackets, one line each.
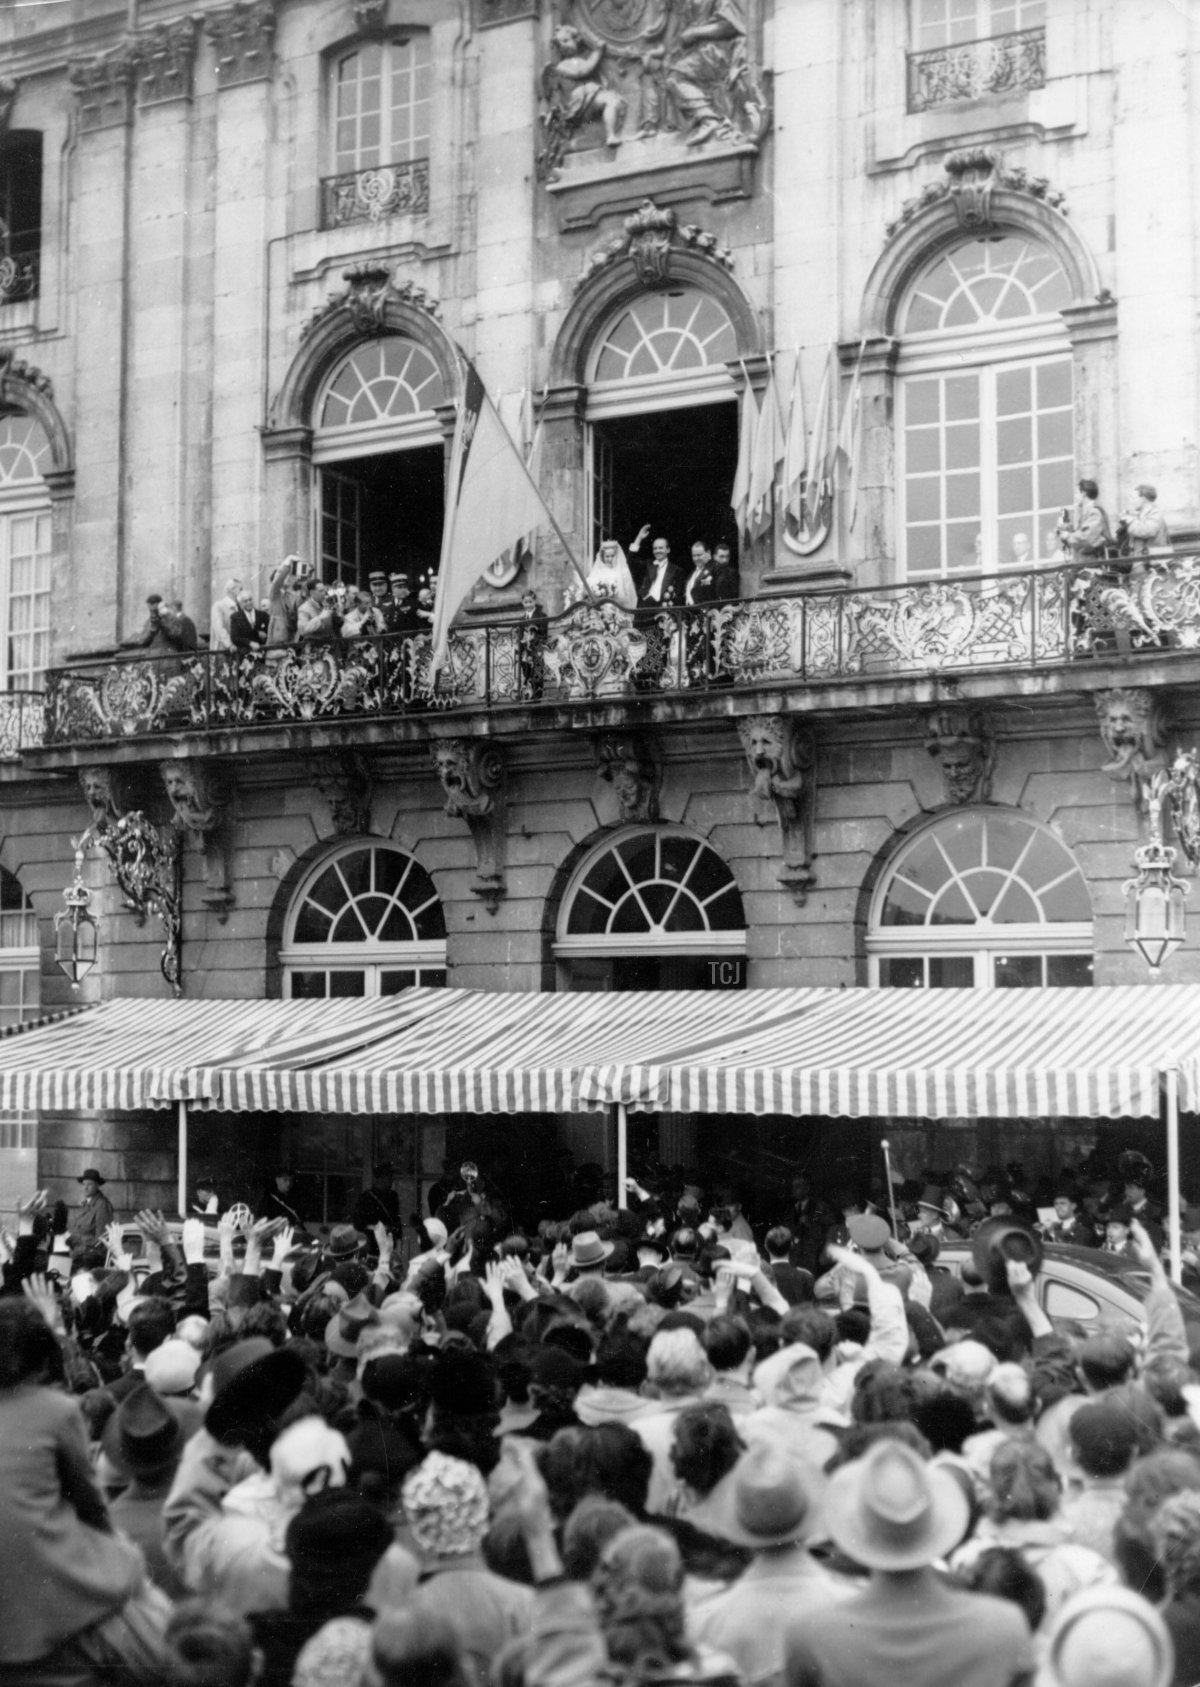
[656, 1444]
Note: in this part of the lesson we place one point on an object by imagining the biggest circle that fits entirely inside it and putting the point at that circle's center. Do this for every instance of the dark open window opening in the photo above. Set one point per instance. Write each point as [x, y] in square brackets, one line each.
[20, 214]
[383, 512]
[674, 469]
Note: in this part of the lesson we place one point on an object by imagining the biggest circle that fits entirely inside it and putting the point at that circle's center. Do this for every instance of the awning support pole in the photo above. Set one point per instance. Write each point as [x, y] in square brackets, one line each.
[622, 1154]
[182, 1120]
[1176, 1256]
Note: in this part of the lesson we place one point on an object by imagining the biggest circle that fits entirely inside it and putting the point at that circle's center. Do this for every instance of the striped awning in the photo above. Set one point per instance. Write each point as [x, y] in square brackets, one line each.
[858, 1053]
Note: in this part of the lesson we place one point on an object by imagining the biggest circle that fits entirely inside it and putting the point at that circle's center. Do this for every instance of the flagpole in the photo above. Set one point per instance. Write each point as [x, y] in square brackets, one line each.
[561, 536]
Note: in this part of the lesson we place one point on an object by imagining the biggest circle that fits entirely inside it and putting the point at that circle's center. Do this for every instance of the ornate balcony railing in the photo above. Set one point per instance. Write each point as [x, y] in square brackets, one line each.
[22, 722]
[1037, 619]
[1002, 64]
[385, 190]
[19, 271]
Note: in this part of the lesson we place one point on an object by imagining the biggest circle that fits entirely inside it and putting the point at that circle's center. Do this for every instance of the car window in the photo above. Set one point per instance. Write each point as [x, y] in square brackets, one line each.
[1064, 1300]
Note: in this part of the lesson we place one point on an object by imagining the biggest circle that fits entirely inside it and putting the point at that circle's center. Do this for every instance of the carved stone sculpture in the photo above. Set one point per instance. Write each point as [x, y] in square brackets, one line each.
[242, 36]
[628, 763]
[472, 776]
[200, 793]
[369, 290]
[782, 756]
[1133, 730]
[370, 16]
[578, 92]
[104, 793]
[970, 178]
[684, 69]
[164, 56]
[102, 87]
[345, 782]
[960, 741]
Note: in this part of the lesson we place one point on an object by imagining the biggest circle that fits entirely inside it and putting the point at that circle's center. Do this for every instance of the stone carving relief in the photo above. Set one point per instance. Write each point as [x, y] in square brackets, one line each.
[488, 13]
[102, 87]
[163, 58]
[370, 16]
[960, 741]
[345, 782]
[1133, 730]
[105, 792]
[620, 70]
[14, 368]
[242, 36]
[365, 298]
[649, 236]
[200, 794]
[628, 763]
[472, 776]
[783, 761]
[970, 178]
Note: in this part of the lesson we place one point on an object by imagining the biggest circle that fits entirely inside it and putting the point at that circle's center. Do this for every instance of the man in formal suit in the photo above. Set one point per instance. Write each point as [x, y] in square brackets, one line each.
[660, 585]
[94, 1216]
[247, 625]
[531, 645]
[1070, 1224]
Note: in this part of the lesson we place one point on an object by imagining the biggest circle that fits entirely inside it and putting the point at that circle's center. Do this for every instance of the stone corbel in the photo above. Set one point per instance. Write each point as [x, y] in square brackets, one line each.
[783, 761]
[960, 741]
[370, 17]
[242, 36]
[1134, 731]
[201, 795]
[345, 783]
[628, 763]
[472, 775]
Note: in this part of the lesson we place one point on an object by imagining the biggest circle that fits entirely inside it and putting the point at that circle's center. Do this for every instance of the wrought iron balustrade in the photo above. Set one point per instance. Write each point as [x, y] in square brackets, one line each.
[22, 722]
[20, 268]
[383, 190]
[972, 70]
[1038, 618]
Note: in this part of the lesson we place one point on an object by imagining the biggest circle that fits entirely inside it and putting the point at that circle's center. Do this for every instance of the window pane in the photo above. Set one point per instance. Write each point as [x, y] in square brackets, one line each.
[924, 550]
[1070, 972]
[902, 972]
[962, 398]
[962, 446]
[923, 450]
[1013, 391]
[924, 500]
[921, 400]
[307, 985]
[906, 905]
[1054, 383]
[951, 972]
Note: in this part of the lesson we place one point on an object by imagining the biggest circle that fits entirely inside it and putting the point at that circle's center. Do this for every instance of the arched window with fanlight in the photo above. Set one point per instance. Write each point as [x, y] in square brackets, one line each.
[365, 921]
[984, 898]
[25, 549]
[378, 449]
[651, 908]
[662, 419]
[986, 413]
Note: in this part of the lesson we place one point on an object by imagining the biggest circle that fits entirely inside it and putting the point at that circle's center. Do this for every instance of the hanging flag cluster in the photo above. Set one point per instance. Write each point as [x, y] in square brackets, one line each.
[783, 461]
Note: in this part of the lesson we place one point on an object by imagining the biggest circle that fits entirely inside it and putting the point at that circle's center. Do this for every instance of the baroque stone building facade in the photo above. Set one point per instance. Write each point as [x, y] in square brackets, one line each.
[245, 246]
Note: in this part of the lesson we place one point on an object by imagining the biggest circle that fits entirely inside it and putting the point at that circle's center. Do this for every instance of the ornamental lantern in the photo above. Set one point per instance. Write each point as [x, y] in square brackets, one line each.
[76, 928]
[1154, 911]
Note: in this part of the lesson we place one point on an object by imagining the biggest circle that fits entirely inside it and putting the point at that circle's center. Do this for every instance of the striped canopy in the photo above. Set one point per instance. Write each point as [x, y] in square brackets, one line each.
[861, 1053]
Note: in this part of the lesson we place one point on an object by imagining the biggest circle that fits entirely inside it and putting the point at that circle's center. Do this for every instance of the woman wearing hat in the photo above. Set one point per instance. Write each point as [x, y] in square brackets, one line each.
[94, 1216]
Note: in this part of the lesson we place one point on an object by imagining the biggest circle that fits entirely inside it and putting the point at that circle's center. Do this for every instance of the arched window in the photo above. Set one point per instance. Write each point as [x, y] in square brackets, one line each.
[662, 419]
[665, 333]
[984, 898]
[378, 444]
[652, 908]
[986, 409]
[25, 544]
[365, 922]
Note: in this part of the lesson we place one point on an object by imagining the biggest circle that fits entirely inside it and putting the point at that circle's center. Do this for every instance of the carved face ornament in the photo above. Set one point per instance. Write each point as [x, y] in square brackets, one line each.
[452, 769]
[962, 767]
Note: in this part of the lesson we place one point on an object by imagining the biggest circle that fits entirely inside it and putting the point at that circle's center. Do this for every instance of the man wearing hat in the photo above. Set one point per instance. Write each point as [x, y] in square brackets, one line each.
[1138, 1173]
[771, 1502]
[280, 1200]
[142, 1441]
[1070, 1224]
[399, 615]
[897, 1516]
[380, 1204]
[94, 1216]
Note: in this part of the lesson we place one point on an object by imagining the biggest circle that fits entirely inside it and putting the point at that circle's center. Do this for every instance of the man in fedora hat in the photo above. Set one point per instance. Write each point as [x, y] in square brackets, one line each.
[142, 1441]
[771, 1503]
[94, 1216]
[897, 1516]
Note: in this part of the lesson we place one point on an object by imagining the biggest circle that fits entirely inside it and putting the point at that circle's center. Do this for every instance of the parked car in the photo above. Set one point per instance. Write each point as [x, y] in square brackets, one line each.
[1082, 1287]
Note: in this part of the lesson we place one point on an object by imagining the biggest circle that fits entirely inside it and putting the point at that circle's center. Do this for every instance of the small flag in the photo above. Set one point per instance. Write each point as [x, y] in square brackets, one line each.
[817, 469]
[792, 491]
[740, 498]
[850, 434]
[768, 453]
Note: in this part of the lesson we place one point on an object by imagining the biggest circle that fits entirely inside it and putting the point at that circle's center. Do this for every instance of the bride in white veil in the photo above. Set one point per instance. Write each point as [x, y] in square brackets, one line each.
[610, 577]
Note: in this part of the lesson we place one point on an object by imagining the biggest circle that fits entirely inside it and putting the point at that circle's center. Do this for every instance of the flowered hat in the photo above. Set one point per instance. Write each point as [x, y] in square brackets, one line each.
[446, 1504]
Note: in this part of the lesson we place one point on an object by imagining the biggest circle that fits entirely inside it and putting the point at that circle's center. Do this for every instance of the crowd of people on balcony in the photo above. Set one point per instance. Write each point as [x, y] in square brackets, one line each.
[676, 1442]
